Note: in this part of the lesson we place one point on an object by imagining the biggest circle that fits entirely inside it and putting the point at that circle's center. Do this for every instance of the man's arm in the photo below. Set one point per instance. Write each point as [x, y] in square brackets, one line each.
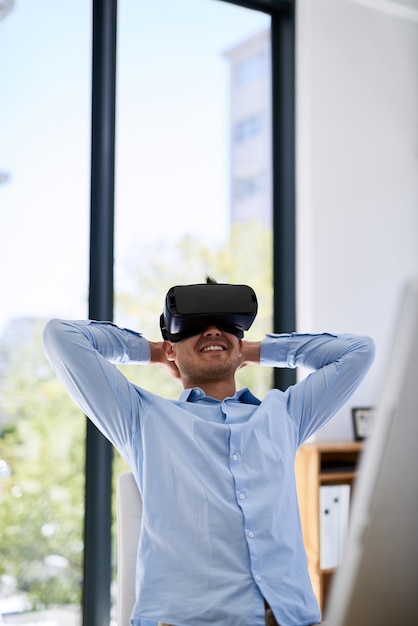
[157, 357]
[83, 354]
[340, 363]
[250, 353]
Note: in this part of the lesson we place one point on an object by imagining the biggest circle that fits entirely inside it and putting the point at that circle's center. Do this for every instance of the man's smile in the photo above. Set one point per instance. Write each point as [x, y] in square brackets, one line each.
[213, 344]
[213, 348]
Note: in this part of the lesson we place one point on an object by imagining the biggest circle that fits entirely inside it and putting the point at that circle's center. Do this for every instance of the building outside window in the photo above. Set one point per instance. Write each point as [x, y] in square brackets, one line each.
[250, 123]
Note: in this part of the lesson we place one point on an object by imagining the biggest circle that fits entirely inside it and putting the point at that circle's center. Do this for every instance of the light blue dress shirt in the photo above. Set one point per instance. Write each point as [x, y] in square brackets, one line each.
[220, 529]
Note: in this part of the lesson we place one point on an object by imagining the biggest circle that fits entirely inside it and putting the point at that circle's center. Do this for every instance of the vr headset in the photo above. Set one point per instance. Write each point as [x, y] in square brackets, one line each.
[189, 309]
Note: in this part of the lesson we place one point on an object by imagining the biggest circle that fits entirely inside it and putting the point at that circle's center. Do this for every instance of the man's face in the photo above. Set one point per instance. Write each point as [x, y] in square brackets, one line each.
[209, 356]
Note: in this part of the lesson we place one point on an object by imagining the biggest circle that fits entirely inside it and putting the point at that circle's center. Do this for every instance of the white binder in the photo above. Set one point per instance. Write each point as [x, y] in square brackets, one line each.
[334, 507]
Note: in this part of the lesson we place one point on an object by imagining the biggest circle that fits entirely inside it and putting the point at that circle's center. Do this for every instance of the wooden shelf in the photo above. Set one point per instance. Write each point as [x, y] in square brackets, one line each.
[336, 478]
[317, 464]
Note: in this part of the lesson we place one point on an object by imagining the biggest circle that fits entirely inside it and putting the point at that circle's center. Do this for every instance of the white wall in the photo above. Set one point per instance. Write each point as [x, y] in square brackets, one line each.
[357, 164]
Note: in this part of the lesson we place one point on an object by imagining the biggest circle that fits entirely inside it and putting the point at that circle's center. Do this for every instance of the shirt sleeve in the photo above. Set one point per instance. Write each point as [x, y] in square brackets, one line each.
[83, 355]
[340, 363]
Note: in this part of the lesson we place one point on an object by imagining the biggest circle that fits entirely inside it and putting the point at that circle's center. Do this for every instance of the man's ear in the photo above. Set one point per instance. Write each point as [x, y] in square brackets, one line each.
[169, 350]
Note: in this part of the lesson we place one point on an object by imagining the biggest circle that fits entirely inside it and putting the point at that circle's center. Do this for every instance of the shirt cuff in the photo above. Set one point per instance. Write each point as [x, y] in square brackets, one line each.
[274, 350]
[128, 346]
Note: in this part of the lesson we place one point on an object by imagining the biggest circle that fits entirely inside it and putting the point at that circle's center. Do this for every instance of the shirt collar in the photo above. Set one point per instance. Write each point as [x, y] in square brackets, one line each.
[196, 393]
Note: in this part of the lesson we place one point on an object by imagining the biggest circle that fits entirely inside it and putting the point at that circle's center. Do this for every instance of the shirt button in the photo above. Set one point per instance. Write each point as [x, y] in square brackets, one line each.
[235, 457]
[251, 534]
[241, 496]
[258, 578]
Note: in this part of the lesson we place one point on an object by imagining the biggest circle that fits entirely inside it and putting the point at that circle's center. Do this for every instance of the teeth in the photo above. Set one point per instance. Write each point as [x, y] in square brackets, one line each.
[212, 348]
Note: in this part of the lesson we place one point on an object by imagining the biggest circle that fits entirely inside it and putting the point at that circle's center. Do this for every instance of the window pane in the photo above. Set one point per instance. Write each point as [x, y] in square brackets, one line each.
[45, 51]
[193, 163]
[193, 159]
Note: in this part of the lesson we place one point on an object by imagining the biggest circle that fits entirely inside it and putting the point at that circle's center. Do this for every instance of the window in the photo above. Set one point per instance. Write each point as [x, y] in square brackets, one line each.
[174, 220]
[44, 235]
[250, 69]
[248, 128]
[173, 223]
[246, 187]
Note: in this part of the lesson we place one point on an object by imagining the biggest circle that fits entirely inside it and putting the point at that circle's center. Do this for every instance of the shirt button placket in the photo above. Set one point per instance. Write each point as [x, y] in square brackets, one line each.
[242, 496]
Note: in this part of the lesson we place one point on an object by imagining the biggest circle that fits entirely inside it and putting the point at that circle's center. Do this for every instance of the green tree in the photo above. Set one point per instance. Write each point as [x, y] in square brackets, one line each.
[41, 510]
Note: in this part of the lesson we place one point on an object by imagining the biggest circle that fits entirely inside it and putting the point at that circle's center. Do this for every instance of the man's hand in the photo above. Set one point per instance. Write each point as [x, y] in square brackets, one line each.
[250, 353]
[158, 358]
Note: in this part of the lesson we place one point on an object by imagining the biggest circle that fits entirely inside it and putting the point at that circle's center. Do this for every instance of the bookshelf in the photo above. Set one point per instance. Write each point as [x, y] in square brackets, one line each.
[322, 464]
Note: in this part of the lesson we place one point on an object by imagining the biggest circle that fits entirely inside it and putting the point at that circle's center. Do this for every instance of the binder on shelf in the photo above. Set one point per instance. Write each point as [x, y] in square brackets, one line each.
[334, 509]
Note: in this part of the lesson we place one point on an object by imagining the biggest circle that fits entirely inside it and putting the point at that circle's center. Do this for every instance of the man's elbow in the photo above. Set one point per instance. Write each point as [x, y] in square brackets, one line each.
[53, 330]
[368, 350]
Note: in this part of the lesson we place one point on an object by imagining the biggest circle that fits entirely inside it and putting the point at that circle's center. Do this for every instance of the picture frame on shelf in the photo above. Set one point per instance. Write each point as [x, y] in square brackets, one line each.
[363, 418]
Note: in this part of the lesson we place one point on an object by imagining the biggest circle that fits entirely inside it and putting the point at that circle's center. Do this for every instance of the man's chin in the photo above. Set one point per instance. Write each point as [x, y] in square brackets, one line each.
[211, 371]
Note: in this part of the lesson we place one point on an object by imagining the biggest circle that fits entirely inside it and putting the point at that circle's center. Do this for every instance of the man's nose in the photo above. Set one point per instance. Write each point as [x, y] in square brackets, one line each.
[212, 329]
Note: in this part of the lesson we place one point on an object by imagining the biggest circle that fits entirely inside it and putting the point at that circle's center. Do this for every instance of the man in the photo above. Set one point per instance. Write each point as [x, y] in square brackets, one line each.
[221, 540]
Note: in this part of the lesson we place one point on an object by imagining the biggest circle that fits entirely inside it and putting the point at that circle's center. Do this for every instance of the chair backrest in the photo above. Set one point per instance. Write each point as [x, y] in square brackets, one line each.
[128, 515]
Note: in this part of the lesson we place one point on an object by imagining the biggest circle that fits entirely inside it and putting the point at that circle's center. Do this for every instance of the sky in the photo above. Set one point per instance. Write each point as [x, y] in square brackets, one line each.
[171, 135]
